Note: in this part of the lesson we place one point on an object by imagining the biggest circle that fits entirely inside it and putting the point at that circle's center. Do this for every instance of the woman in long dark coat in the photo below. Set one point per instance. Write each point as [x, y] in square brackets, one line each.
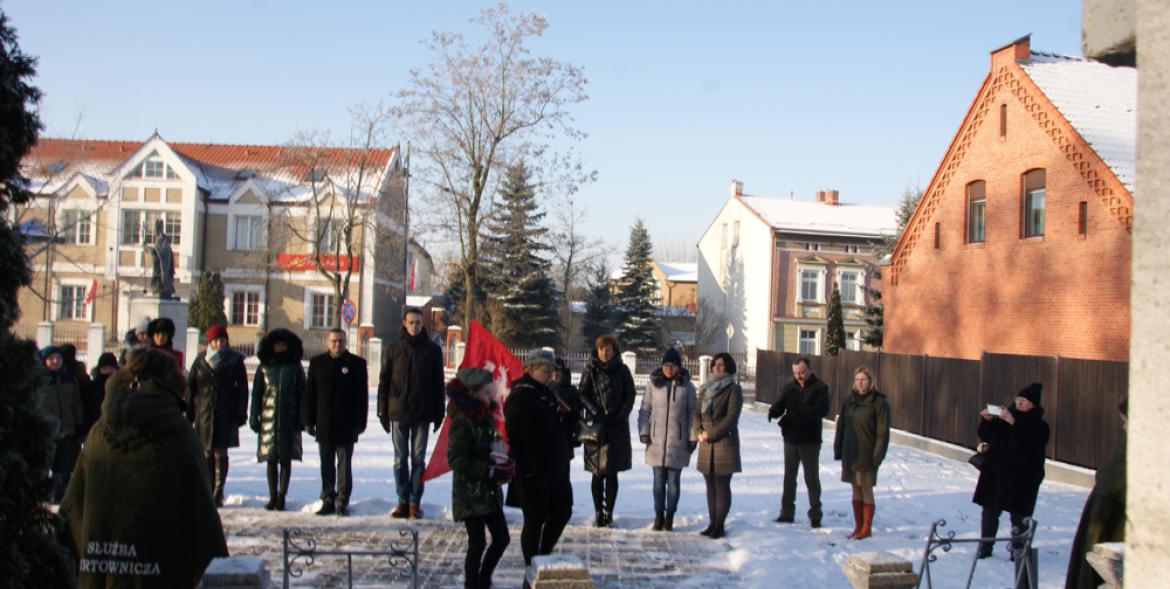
[863, 436]
[716, 427]
[277, 392]
[479, 465]
[1014, 467]
[607, 383]
[217, 386]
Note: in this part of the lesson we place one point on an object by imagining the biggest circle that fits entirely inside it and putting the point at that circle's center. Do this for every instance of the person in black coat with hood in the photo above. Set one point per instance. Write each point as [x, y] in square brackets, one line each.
[410, 396]
[1014, 465]
[217, 389]
[93, 398]
[607, 384]
[336, 405]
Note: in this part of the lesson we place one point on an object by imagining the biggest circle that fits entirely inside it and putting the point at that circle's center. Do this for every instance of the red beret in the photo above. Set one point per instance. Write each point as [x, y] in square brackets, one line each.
[216, 332]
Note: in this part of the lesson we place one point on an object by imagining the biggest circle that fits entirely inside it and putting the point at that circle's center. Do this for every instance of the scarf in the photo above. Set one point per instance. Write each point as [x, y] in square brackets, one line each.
[715, 384]
[213, 358]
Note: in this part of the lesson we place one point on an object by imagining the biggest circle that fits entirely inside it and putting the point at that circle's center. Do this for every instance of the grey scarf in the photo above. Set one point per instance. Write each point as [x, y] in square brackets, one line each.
[213, 358]
[715, 384]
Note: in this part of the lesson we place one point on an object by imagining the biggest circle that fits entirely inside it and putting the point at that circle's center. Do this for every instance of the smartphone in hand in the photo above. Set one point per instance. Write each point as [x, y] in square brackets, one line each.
[995, 410]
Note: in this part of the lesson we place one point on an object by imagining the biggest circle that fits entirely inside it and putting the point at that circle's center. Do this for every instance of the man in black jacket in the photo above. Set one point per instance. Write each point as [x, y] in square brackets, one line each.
[336, 404]
[410, 396]
[803, 403]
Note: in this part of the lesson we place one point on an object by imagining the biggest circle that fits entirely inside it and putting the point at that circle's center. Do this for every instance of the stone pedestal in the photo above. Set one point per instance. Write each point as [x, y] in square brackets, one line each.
[143, 306]
[560, 571]
[235, 572]
[1108, 560]
[874, 570]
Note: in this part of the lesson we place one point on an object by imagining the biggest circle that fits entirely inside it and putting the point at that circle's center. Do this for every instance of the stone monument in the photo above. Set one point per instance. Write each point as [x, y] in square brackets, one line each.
[160, 299]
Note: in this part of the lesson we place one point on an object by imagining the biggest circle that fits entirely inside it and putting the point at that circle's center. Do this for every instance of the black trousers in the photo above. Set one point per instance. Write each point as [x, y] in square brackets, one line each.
[64, 457]
[547, 507]
[479, 565]
[605, 490]
[336, 462]
[718, 498]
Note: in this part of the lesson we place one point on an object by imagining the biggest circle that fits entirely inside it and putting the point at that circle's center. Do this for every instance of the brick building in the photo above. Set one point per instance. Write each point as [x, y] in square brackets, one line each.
[246, 211]
[1021, 243]
[767, 267]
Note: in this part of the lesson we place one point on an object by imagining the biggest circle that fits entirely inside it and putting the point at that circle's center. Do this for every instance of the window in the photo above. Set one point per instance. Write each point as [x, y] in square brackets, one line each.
[138, 226]
[850, 291]
[1003, 120]
[153, 167]
[1033, 208]
[330, 232]
[249, 233]
[131, 227]
[1083, 218]
[735, 235]
[810, 285]
[937, 236]
[321, 310]
[245, 308]
[73, 303]
[808, 341]
[76, 227]
[812, 246]
[976, 211]
[851, 249]
[723, 238]
[852, 342]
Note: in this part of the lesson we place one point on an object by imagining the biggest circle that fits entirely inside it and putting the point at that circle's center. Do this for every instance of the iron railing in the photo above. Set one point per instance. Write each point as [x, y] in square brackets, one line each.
[1023, 554]
[301, 552]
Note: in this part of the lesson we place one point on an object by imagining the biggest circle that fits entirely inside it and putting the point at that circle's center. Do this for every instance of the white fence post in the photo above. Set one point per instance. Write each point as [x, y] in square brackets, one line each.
[704, 368]
[374, 360]
[44, 334]
[460, 348]
[95, 343]
[192, 347]
[630, 359]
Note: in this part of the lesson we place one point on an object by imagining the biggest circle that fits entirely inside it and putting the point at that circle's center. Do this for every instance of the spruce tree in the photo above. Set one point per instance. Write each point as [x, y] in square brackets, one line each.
[835, 336]
[598, 320]
[525, 312]
[874, 311]
[32, 556]
[639, 326]
[207, 307]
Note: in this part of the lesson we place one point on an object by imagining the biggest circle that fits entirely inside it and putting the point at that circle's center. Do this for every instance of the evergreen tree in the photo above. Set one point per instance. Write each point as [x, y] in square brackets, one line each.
[874, 311]
[639, 325]
[598, 320]
[835, 336]
[32, 555]
[207, 307]
[524, 313]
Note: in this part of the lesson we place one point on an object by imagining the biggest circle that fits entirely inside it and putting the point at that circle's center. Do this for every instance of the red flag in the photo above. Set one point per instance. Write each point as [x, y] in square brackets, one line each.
[92, 292]
[483, 351]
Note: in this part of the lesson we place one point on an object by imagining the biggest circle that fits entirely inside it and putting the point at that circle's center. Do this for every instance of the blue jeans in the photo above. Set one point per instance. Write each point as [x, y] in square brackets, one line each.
[666, 488]
[409, 439]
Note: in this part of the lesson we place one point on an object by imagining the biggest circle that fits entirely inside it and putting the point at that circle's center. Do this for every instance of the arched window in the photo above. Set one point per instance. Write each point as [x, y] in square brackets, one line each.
[1033, 203]
[976, 211]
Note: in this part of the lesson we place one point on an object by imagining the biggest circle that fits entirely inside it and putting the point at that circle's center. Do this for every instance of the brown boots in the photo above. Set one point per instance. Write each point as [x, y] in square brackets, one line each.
[863, 520]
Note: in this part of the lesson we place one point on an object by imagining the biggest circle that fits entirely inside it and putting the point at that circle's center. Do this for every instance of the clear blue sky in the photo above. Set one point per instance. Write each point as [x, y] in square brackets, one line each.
[788, 97]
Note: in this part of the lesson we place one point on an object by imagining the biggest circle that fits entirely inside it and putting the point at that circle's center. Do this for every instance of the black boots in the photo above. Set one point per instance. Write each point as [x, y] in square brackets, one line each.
[221, 472]
[668, 524]
[603, 519]
[659, 521]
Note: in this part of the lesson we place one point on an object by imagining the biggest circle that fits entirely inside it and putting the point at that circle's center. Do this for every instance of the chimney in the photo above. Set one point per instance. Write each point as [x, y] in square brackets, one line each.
[820, 196]
[736, 188]
[831, 197]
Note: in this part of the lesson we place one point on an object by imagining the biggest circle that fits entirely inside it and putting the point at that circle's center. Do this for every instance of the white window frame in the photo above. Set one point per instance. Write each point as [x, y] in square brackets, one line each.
[857, 297]
[88, 215]
[853, 340]
[229, 292]
[310, 291]
[84, 284]
[146, 225]
[259, 232]
[816, 340]
[800, 270]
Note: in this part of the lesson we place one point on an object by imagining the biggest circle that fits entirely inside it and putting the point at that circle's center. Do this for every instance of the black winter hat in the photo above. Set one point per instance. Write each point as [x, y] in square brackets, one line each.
[673, 357]
[107, 359]
[162, 325]
[1032, 393]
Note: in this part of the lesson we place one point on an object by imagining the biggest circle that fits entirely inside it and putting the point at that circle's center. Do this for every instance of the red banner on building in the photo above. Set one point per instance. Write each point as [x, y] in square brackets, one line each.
[483, 351]
[308, 262]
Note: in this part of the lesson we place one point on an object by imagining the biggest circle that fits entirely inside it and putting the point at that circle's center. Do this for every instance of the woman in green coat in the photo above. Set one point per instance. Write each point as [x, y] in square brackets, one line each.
[480, 464]
[277, 391]
[863, 436]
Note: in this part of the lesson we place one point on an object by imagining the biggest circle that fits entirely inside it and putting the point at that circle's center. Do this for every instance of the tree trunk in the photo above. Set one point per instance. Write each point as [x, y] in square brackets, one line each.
[471, 274]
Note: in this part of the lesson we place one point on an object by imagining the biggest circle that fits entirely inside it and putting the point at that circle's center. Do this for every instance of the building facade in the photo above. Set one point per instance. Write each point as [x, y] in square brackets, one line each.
[273, 220]
[1021, 243]
[768, 267]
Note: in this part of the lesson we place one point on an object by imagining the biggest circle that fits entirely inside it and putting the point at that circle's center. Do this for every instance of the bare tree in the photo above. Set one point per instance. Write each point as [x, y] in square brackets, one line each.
[342, 179]
[476, 109]
[677, 250]
[710, 327]
[575, 252]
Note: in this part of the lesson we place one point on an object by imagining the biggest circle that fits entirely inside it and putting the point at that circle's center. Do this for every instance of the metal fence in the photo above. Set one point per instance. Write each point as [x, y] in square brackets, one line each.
[941, 398]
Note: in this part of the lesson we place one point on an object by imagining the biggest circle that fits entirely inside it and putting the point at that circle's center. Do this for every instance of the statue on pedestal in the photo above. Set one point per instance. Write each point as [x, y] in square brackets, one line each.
[162, 279]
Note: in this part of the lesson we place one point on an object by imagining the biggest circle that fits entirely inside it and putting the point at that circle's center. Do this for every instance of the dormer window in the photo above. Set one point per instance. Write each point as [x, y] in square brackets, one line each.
[153, 167]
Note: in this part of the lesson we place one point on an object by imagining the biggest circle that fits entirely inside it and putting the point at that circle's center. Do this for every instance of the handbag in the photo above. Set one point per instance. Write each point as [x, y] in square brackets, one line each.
[591, 431]
[979, 458]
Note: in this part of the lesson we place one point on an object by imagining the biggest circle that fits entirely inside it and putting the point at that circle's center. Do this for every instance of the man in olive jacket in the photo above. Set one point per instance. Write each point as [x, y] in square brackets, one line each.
[336, 404]
[802, 405]
[410, 396]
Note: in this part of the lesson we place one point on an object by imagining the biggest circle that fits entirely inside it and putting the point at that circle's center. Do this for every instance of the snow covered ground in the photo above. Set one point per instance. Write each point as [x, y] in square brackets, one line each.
[914, 489]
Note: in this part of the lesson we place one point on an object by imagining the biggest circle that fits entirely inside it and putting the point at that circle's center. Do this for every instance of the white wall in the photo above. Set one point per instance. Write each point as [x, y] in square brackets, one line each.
[739, 286]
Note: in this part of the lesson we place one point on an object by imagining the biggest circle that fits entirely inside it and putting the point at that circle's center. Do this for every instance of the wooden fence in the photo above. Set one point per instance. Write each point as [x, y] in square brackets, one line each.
[941, 398]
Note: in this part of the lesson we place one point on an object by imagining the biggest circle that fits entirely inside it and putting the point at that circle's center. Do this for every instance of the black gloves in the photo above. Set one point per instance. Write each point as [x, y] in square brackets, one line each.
[774, 411]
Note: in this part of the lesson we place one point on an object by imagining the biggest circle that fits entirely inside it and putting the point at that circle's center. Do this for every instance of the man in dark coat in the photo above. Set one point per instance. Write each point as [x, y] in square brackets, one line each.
[410, 396]
[336, 406]
[1014, 467]
[217, 389]
[92, 401]
[538, 440]
[61, 399]
[802, 405]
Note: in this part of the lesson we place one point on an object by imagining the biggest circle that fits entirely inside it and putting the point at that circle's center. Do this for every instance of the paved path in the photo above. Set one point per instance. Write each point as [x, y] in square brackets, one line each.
[616, 557]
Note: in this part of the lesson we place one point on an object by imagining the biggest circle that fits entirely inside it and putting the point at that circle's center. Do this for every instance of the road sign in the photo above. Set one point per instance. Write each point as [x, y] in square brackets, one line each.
[349, 311]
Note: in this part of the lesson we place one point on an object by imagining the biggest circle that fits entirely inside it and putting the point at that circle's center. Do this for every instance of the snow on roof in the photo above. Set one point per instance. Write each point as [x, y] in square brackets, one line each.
[680, 271]
[418, 301]
[815, 217]
[1098, 100]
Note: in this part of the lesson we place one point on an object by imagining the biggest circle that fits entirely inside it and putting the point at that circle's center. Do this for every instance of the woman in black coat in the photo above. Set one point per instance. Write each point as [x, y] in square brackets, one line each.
[277, 392]
[1014, 464]
[217, 386]
[607, 383]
